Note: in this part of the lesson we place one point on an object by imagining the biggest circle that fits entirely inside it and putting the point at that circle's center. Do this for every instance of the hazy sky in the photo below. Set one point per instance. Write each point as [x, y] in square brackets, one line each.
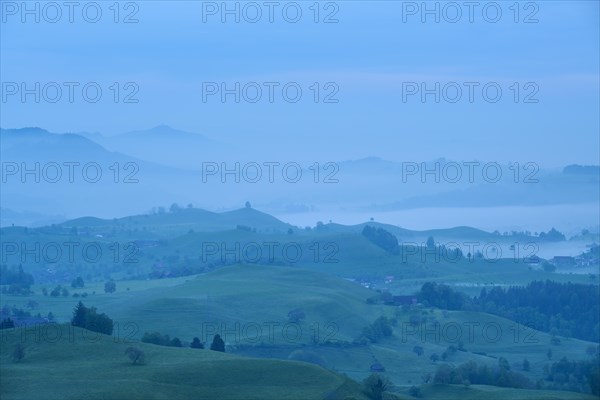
[374, 61]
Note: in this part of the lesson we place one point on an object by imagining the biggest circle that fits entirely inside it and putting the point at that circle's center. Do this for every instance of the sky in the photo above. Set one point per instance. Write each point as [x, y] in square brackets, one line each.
[362, 68]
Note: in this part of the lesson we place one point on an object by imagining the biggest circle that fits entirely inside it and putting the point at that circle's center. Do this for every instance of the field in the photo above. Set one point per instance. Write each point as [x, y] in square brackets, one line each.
[73, 367]
[249, 304]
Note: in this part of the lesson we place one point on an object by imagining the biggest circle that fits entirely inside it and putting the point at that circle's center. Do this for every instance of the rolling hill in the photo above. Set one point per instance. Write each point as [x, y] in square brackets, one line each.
[77, 364]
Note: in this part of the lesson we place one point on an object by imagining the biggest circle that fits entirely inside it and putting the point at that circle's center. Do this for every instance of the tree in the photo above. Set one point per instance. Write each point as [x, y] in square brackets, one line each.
[443, 374]
[375, 385]
[248, 205]
[79, 315]
[526, 366]
[65, 292]
[136, 355]
[196, 344]
[549, 354]
[175, 342]
[218, 344]
[110, 287]
[56, 291]
[18, 353]
[434, 357]
[430, 242]
[552, 235]
[7, 323]
[77, 282]
[503, 364]
[418, 350]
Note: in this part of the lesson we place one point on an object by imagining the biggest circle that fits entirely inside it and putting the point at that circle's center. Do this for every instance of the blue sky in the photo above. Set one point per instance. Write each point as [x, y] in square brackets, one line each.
[370, 54]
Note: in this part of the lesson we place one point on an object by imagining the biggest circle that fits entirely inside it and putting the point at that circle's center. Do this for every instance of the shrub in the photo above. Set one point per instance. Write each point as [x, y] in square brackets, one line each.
[136, 355]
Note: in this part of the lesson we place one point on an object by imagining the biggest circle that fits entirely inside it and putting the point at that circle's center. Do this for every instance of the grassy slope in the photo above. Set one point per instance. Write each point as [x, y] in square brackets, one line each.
[481, 392]
[75, 368]
[243, 294]
[258, 295]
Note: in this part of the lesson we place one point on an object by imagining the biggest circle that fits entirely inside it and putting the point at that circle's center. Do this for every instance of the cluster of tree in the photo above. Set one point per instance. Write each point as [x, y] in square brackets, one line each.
[451, 350]
[552, 236]
[18, 281]
[579, 376]
[14, 311]
[375, 385]
[161, 340]
[7, 323]
[473, 373]
[379, 329]
[567, 309]
[57, 291]
[88, 318]
[165, 340]
[442, 296]
[9, 276]
[77, 283]
[382, 238]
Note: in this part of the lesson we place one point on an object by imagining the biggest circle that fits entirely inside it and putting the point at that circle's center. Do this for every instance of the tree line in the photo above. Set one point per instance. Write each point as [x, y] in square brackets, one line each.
[567, 309]
[165, 340]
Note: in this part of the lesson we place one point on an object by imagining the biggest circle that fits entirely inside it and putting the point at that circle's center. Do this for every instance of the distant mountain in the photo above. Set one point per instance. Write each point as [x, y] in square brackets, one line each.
[32, 219]
[160, 166]
[39, 145]
[53, 173]
[164, 145]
